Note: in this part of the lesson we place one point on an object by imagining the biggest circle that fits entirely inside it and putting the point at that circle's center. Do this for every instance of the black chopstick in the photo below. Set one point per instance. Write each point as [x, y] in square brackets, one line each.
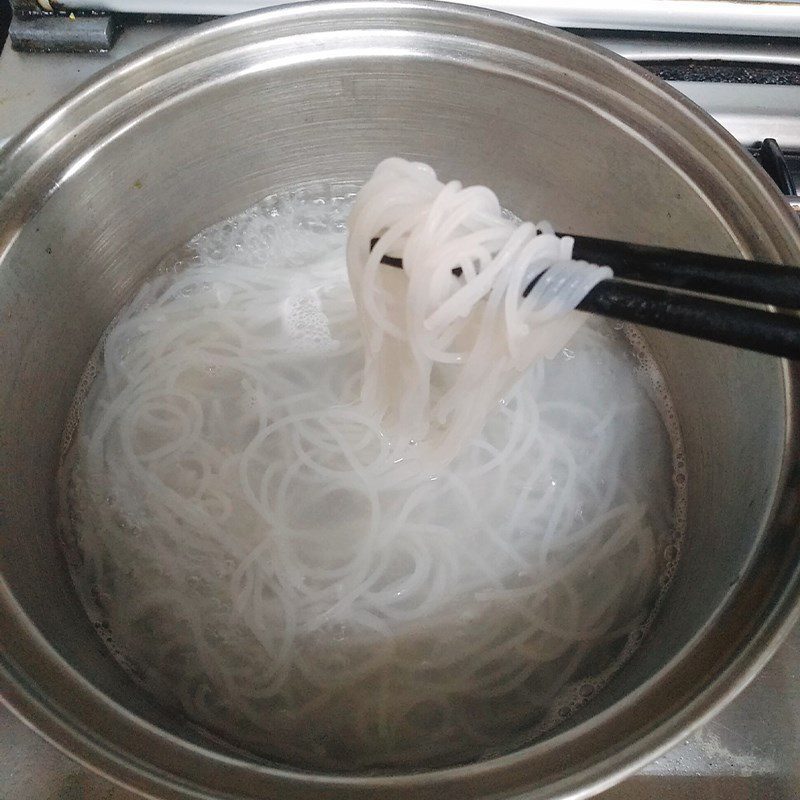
[660, 306]
[727, 323]
[754, 281]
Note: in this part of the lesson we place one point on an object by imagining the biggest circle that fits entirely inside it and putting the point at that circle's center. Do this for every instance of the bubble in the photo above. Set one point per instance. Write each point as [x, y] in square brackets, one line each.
[671, 552]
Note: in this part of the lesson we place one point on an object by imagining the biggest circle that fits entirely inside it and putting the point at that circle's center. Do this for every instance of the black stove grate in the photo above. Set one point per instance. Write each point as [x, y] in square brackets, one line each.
[782, 167]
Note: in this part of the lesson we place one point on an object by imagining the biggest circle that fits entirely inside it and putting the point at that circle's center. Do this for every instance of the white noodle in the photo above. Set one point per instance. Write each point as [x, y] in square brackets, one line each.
[260, 560]
[442, 349]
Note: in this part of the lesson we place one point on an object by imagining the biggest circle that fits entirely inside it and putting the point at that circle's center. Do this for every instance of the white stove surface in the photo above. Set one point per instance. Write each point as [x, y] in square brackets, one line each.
[760, 17]
[750, 751]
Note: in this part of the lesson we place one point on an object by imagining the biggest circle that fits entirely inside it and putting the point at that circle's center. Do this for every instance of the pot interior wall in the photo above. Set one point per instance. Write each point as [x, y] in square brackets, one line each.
[197, 157]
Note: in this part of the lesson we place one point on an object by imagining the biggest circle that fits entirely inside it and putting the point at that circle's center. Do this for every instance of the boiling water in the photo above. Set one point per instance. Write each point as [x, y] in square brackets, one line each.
[245, 541]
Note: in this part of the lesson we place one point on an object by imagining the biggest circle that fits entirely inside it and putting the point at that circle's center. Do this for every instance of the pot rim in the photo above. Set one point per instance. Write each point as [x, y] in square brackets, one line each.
[116, 747]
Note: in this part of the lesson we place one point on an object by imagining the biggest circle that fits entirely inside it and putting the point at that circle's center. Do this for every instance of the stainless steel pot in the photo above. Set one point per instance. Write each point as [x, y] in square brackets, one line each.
[190, 131]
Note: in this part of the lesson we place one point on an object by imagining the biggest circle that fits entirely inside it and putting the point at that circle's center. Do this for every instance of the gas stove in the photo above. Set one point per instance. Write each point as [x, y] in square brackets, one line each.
[738, 60]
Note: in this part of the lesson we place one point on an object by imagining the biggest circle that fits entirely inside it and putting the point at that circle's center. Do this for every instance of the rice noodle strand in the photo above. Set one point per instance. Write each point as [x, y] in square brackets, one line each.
[443, 348]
